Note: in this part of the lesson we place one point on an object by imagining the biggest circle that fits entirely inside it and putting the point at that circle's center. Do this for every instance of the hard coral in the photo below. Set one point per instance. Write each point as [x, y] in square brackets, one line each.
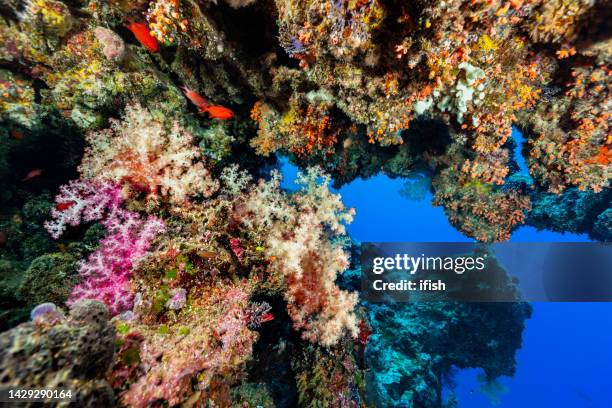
[209, 343]
[17, 100]
[305, 128]
[574, 211]
[405, 370]
[427, 89]
[570, 140]
[326, 377]
[558, 20]
[474, 204]
[49, 278]
[51, 16]
[114, 47]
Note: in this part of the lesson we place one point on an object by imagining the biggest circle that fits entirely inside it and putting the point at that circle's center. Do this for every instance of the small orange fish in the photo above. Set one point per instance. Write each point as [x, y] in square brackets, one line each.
[143, 35]
[64, 206]
[33, 173]
[214, 111]
[207, 254]
[219, 112]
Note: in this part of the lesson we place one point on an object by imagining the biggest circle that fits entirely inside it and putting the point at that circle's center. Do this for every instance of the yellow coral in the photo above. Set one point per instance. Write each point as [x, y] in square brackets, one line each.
[485, 43]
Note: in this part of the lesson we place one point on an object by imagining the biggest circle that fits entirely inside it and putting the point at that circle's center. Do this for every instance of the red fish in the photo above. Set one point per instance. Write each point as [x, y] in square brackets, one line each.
[266, 317]
[214, 111]
[64, 206]
[32, 174]
[219, 112]
[195, 98]
[143, 35]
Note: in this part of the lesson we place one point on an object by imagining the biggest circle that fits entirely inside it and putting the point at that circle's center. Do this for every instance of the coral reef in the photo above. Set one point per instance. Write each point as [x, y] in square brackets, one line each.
[105, 275]
[83, 201]
[364, 70]
[574, 211]
[211, 342]
[107, 270]
[326, 377]
[475, 206]
[408, 370]
[478, 67]
[304, 254]
[413, 369]
[191, 277]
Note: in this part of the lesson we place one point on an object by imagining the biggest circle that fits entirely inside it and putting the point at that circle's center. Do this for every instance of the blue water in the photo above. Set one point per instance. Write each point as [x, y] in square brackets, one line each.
[520, 141]
[566, 359]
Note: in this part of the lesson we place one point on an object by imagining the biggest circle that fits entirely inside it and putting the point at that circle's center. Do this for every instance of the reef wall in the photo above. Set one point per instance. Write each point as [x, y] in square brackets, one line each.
[137, 154]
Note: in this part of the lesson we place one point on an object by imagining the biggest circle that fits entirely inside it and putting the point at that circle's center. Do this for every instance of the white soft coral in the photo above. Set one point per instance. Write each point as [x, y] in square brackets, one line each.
[299, 231]
[82, 201]
[141, 152]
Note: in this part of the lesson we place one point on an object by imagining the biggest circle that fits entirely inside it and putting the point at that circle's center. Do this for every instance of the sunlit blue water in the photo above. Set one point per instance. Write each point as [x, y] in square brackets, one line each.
[566, 359]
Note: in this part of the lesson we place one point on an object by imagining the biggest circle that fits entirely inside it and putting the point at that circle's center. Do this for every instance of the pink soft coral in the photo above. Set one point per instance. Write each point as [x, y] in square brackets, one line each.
[106, 273]
[83, 201]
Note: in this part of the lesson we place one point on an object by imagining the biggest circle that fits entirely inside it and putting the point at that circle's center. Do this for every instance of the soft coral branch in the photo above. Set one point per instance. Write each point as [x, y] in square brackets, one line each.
[83, 201]
[106, 273]
[299, 234]
[144, 154]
